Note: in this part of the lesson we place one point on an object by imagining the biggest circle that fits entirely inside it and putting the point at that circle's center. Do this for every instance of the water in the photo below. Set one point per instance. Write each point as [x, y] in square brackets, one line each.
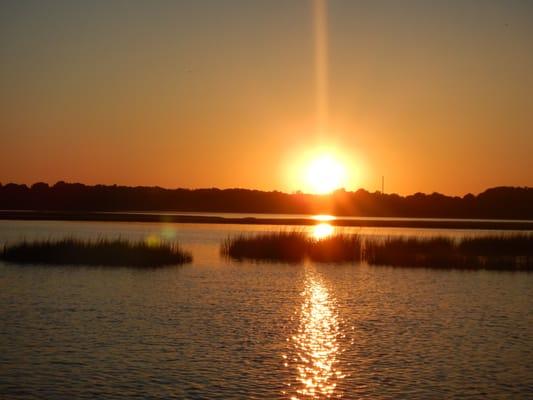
[220, 329]
[306, 216]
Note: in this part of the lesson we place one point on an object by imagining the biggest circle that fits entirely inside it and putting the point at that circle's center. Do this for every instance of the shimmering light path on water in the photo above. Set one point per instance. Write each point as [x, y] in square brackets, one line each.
[316, 344]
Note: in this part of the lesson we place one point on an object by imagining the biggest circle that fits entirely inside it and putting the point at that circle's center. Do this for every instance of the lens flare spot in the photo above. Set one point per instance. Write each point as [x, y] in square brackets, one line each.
[153, 241]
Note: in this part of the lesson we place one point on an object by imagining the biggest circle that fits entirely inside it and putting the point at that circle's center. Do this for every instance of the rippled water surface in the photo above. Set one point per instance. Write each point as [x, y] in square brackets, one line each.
[222, 329]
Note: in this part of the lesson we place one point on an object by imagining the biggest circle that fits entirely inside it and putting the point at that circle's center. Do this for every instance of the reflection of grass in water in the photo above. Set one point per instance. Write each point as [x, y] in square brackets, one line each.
[109, 252]
[293, 247]
[514, 252]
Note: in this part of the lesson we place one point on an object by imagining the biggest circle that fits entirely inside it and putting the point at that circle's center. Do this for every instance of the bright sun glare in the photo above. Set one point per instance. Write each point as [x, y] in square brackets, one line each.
[325, 174]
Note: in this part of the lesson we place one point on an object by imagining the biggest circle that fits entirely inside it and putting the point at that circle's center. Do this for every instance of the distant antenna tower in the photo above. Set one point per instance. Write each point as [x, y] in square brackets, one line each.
[383, 184]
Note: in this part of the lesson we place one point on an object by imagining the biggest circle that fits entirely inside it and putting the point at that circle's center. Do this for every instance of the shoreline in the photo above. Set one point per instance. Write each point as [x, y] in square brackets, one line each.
[200, 219]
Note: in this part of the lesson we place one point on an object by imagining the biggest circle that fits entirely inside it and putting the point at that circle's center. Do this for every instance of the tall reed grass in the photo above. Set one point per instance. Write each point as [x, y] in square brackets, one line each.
[105, 252]
[506, 252]
[293, 247]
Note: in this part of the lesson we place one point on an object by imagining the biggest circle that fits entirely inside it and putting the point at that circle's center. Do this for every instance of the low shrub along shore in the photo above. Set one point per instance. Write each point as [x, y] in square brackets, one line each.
[104, 252]
[510, 252]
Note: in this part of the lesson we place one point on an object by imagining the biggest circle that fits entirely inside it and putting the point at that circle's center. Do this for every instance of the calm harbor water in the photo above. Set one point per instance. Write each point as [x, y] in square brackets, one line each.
[220, 329]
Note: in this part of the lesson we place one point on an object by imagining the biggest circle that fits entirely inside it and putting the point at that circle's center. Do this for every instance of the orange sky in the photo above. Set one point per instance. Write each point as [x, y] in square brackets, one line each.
[436, 97]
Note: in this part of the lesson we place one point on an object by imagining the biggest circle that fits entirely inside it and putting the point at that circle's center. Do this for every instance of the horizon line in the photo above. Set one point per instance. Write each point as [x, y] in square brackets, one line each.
[294, 192]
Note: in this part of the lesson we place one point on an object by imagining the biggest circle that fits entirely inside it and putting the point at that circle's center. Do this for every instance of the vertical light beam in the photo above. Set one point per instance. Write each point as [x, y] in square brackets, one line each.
[321, 64]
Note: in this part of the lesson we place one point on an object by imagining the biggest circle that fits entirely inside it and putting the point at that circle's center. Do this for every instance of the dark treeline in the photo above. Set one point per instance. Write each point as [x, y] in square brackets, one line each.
[499, 202]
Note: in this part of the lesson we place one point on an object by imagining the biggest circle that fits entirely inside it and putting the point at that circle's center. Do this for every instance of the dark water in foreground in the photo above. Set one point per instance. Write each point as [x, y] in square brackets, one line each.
[220, 329]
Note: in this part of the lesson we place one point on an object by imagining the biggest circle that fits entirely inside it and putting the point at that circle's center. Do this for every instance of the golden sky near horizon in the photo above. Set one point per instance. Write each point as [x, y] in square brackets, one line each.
[435, 96]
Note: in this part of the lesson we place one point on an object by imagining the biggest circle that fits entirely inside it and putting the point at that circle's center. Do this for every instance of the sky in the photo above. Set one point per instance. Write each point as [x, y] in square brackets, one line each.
[434, 96]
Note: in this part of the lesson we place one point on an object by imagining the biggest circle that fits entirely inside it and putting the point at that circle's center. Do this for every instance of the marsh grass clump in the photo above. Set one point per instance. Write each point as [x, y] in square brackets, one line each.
[510, 252]
[336, 248]
[494, 245]
[279, 246]
[410, 251]
[103, 252]
[498, 251]
[292, 247]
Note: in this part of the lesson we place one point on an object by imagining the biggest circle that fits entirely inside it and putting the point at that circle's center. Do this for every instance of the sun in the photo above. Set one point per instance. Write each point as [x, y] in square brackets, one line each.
[325, 174]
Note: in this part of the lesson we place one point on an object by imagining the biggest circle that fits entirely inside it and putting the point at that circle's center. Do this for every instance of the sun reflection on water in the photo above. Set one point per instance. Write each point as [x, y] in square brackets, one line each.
[322, 231]
[316, 344]
[323, 217]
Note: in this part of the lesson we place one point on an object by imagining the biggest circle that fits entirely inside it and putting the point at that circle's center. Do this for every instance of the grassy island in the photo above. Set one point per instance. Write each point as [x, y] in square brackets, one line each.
[104, 252]
[511, 252]
[293, 247]
[506, 252]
